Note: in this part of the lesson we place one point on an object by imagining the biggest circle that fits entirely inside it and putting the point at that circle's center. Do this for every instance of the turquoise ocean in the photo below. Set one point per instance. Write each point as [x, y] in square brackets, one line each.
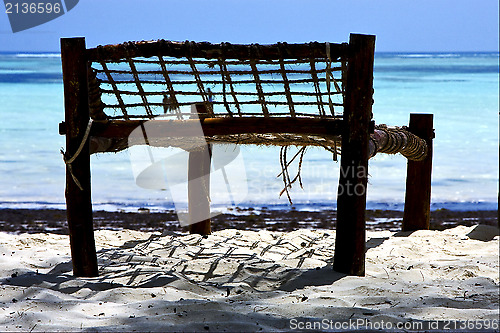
[460, 89]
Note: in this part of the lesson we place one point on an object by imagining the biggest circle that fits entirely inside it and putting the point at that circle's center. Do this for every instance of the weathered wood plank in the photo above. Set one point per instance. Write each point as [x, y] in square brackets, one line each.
[213, 51]
[219, 126]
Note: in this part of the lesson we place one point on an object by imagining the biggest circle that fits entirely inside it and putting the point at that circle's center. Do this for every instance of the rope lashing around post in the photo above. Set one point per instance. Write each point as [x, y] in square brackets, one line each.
[96, 106]
[397, 140]
[79, 150]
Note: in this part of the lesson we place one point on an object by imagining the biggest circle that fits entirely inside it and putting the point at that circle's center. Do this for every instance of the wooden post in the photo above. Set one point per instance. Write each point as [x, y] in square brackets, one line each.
[78, 200]
[418, 178]
[199, 185]
[350, 240]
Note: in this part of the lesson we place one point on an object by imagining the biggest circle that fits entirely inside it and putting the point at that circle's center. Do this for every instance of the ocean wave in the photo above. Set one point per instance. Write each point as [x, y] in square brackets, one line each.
[16, 71]
[309, 206]
[437, 69]
[30, 77]
[431, 55]
[38, 55]
[424, 55]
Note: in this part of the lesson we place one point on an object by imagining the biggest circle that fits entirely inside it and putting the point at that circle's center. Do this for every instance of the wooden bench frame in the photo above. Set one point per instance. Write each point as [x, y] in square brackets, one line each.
[355, 129]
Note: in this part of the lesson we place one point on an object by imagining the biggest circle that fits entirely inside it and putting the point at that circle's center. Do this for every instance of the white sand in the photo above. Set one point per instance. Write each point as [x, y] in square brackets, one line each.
[248, 281]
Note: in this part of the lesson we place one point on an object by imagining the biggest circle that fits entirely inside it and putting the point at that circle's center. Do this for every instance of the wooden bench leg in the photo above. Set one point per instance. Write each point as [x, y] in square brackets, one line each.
[199, 191]
[418, 178]
[78, 191]
[199, 184]
[350, 240]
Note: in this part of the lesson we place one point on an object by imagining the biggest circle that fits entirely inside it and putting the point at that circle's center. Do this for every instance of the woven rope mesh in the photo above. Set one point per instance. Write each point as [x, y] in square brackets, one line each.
[140, 87]
[144, 80]
[147, 79]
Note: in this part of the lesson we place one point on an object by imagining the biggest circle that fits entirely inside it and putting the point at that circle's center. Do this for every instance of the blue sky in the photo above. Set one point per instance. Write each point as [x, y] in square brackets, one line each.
[400, 25]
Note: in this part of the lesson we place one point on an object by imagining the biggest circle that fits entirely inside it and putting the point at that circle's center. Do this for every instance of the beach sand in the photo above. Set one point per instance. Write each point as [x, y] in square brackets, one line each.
[239, 280]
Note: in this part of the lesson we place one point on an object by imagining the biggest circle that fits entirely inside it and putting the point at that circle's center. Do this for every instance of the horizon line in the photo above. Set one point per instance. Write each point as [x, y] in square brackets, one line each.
[401, 52]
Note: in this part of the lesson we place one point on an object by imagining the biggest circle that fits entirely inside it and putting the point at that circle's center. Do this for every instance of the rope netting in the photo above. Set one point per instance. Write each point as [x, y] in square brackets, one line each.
[289, 83]
[144, 80]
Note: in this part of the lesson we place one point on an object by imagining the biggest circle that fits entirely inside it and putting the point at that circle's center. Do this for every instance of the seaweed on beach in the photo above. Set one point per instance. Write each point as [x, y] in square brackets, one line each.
[54, 220]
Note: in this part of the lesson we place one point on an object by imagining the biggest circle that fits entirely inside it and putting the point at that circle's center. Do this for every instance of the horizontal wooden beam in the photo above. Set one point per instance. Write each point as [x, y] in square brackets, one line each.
[117, 129]
[214, 51]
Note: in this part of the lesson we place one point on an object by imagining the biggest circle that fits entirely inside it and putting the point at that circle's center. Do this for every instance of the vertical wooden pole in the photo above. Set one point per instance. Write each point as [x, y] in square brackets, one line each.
[350, 240]
[78, 201]
[199, 185]
[418, 178]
